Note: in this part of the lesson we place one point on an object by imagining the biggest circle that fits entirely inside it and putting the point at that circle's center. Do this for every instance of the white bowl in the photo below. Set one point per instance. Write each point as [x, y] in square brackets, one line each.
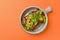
[42, 27]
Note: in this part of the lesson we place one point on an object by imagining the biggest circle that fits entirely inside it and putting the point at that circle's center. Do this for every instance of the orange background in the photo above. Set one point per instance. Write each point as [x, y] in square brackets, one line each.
[10, 11]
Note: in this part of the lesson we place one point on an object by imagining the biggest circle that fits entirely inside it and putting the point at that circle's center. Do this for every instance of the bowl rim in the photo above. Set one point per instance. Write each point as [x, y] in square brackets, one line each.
[39, 30]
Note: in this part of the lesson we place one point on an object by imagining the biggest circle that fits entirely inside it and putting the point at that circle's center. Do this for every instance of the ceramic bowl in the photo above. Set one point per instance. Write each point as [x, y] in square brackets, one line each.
[29, 9]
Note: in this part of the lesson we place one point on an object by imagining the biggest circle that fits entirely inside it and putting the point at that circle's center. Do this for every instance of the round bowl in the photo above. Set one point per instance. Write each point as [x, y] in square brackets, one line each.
[29, 9]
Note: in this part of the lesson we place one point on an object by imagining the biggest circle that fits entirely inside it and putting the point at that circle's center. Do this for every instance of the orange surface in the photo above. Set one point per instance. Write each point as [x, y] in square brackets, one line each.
[10, 14]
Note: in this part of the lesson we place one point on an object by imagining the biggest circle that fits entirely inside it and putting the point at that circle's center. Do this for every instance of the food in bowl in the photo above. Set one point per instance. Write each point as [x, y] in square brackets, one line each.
[33, 19]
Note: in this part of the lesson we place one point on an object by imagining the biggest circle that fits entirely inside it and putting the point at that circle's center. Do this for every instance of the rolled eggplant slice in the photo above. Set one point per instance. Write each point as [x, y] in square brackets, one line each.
[33, 26]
